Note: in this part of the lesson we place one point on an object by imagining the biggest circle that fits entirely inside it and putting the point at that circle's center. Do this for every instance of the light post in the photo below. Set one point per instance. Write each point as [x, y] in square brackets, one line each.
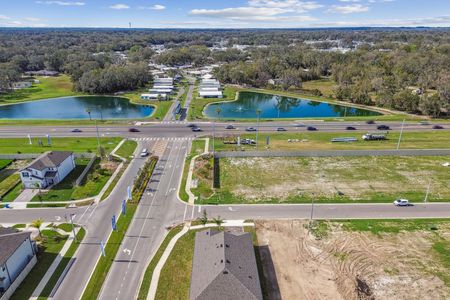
[258, 113]
[101, 112]
[88, 110]
[400, 136]
[218, 111]
[312, 212]
[73, 227]
[98, 137]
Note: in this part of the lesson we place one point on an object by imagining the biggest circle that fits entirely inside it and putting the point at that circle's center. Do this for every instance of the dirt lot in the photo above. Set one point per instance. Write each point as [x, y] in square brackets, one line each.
[349, 264]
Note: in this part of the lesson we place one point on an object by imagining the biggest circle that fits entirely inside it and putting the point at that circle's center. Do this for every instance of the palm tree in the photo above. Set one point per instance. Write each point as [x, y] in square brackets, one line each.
[204, 218]
[37, 224]
[88, 110]
[218, 221]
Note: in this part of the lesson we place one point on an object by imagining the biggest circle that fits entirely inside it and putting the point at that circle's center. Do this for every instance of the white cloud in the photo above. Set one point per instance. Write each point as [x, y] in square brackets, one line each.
[238, 12]
[3, 17]
[292, 5]
[441, 21]
[119, 6]
[62, 3]
[380, 1]
[350, 1]
[153, 7]
[348, 9]
[31, 19]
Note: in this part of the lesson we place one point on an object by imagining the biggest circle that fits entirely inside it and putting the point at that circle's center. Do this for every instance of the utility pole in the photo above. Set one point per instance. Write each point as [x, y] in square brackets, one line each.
[258, 113]
[428, 191]
[401, 133]
[98, 137]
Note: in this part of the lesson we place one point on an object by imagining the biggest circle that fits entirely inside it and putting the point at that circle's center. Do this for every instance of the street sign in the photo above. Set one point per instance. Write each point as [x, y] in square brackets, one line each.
[129, 193]
[102, 248]
[124, 207]
[113, 222]
[49, 140]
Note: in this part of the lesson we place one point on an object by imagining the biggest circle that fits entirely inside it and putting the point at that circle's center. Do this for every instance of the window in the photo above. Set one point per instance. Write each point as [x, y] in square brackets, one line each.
[25, 174]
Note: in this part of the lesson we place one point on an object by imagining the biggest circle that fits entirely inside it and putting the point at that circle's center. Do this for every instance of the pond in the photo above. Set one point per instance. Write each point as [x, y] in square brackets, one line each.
[273, 106]
[76, 108]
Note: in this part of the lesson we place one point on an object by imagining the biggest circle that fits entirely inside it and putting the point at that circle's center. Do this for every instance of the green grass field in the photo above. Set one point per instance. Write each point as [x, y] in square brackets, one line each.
[198, 146]
[9, 184]
[329, 180]
[322, 141]
[4, 163]
[127, 149]
[79, 144]
[66, 191]
[49, 87]
[325, 86]
[53, 243]
[198, 104]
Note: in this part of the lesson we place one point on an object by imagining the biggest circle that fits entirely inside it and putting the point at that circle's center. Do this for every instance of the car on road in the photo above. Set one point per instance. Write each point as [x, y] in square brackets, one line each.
[196, 129]
[281, 129]
[299, 125]
[438, 127]
[250, 129]
[191, 125]
[370, 122]
[76, 130]
[350, 128]
[134, 130]
[383, 127]
[311, 128]
[402, 202]
[144, 152]
[230, 127]
[424, 123]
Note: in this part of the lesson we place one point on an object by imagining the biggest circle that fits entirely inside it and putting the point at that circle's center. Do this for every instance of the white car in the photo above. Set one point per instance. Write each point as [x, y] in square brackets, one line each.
[402, 202]
[144, 153]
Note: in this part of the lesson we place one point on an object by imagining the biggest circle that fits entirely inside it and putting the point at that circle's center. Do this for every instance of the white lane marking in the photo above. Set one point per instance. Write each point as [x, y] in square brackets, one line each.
[185, 210]
[230, 208]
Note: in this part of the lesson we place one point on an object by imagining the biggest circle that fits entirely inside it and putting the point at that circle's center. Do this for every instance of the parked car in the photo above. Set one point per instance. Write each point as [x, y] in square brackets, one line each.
[196, 129]
[350, 128]
[230, 127]
[144, 152]
[370, 122]
[438, 127]
[76, 130]
[134, 130]
[250, 129]
[281, 129]
[311, 128]
[402, 202]
[383, 127]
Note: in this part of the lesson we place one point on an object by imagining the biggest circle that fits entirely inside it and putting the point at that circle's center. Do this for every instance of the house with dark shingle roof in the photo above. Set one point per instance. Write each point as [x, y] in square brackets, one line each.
[48, 169]
[224, 267]
[17, 257]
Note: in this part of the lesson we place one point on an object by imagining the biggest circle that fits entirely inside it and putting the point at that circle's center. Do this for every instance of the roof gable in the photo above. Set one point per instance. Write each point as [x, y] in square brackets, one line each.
[10, 240]
[50, 159]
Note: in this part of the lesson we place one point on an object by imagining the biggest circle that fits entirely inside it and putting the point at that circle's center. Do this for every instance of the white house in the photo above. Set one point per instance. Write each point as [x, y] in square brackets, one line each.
[211, 94]
[17, 258]
[154, 96]
[48, 169]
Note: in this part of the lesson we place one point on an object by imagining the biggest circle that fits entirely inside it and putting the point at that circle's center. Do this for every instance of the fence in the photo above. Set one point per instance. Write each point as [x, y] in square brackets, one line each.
[334, 153]
[85, 171]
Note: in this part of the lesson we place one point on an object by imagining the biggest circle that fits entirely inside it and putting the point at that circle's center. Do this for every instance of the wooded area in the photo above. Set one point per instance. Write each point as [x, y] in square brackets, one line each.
[402, 69]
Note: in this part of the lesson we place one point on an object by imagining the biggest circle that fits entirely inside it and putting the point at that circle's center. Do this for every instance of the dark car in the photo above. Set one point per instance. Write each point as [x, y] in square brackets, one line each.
[438, 127]
[134, 130]
[383, 127]
[192, 125]
[230, 127]
[281, 129]
[311, 128]
[76, 130]
[370, 122]
[350, 128]
[250, 129]
[196, 129]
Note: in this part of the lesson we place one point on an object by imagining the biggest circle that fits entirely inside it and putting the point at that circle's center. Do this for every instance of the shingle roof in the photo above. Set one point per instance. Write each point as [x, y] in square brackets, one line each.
[224, 267]
[50, 159]
[10, 240]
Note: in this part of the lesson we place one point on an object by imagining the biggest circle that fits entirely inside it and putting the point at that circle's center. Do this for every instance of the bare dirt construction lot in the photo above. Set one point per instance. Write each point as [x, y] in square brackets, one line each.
[356, 259]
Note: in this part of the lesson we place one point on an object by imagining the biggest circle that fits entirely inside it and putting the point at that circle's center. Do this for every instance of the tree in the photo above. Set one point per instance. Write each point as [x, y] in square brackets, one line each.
[37, 224]
[218, 221]
[204, 218]
[433, 105]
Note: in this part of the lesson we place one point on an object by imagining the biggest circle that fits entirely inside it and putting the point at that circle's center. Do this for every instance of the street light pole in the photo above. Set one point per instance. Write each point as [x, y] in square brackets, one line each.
[401, 133]
[98, 136]
[73, 228]
[258, 113]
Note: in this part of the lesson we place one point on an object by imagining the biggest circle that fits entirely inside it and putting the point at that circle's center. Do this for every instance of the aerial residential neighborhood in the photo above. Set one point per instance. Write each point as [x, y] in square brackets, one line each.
[221, 150]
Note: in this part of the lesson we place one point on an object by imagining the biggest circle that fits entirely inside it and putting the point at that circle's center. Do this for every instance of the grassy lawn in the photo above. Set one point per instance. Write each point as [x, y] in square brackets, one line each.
[13, 193]
[325, 86]
[81, 144]
[112, 246]
[181, 260]
[52, 244]
[198, 146]
[161, 107]
[9, 184]
[65, 190]
[62, 265]
[49, 87]
[4, 163]
[328, 180]
[127, 149]
[322, 141]
[145, 286]
[114, 182]
[198, 104]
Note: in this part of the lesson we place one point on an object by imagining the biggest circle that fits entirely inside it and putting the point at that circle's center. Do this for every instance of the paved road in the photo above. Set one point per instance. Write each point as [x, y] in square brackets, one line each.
[157, 210]
[179, 129]
[169, 115]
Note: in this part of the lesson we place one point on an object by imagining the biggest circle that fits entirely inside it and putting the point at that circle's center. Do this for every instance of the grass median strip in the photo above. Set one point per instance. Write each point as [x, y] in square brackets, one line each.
[64, 262]
[112, 246]
[198, 146]
[127, 149]
[145, 286]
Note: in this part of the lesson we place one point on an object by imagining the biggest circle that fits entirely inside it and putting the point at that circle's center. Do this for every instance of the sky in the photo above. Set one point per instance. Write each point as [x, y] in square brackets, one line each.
[224, 13]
